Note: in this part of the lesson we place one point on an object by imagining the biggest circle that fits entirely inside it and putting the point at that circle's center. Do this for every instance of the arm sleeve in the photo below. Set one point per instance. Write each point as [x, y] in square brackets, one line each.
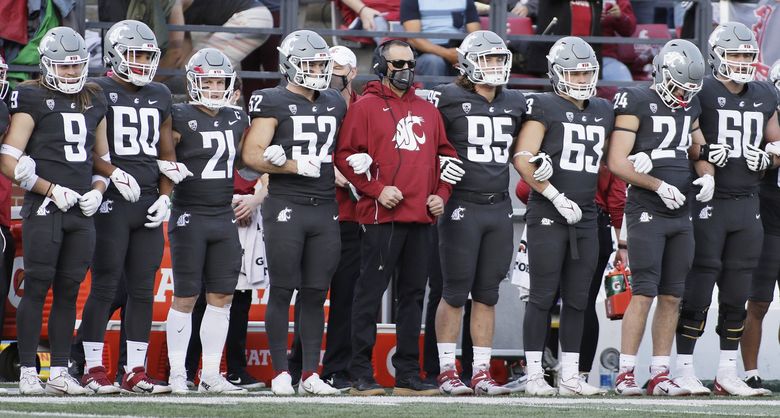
[353, 138]
[410, 10]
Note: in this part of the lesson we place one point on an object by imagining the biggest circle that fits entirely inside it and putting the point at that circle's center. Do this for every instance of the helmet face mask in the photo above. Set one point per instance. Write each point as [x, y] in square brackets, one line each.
[774, 74]
[733, 52]
[132, 53]
[304, 58]
[668, 90]
[3, 81]
[484, 58]
[60, 50]
[203, 70]
[568, 57]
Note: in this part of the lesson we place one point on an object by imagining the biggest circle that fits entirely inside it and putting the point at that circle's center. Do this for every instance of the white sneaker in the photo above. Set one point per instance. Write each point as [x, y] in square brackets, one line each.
[537, 386]
[65, 384]
[282, 384]
[178, 384]
[218, 384]
[733, 385]
[693, 384]
[30, 384]
[517, 385]
[315, 386]
[576, 385]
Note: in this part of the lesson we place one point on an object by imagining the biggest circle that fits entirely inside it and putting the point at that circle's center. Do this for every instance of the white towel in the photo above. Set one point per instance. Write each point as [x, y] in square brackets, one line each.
[254, 266]
[521, 272]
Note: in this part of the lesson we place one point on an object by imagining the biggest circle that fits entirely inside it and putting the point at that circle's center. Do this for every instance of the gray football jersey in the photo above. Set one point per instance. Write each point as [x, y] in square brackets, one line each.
[134, 119]
[62, 140]
[574, 140]
[664, 134]
[304, 128]
[208, 147]
[481, 132]
[736, 120]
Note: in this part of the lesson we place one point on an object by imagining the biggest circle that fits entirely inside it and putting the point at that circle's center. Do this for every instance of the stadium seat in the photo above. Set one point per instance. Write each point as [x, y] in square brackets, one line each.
[514, 25]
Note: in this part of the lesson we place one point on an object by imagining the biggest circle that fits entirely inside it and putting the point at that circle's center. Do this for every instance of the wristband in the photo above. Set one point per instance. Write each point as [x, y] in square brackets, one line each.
[550, 192]
[622, 247]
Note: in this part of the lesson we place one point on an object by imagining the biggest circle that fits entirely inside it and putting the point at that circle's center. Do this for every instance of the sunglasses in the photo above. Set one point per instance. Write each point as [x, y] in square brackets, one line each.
[402, 63]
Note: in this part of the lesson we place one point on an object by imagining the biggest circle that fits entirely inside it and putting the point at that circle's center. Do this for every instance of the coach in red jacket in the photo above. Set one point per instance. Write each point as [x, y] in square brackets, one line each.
[388, 147]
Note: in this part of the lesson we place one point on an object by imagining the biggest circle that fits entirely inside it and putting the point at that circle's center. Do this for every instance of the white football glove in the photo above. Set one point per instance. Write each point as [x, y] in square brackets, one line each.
[757, 159]
[717, 154]
[90, 202]
[158, 211]
[126, 185]
[567, 208]
[64, 197]
[773, 148]
[643, 164]
[309, 166]
[174, 170]
[707, 183]
[275, 155]
[360, 162]
[544, 169]
[451, 170]
[25, 169]
[671, 195]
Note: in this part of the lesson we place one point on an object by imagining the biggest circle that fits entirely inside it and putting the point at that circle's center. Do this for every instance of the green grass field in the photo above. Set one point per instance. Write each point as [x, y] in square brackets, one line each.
[260, 404]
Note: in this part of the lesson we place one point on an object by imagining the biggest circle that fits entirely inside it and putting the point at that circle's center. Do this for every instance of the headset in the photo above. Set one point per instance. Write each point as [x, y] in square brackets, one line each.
[379, 62]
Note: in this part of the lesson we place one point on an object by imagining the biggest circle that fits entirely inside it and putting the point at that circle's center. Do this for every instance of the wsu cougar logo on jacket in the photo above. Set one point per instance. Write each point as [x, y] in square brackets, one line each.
[405, 137]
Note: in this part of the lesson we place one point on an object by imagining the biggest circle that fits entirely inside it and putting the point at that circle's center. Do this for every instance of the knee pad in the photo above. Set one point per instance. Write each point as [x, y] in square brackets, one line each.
[731, 322]
[691, 322]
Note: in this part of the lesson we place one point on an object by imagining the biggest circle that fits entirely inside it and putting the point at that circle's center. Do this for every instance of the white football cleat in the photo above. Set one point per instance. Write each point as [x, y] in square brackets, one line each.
[484, 385]
[661, 385]
[450, 384]
[733, 385]
[693, 384]
[178, 384]
[537, 386]
[218, 384]
[65, 384]
[625, 384]
[282, 384]
[576, 385]
[30, 384]
[313, 385]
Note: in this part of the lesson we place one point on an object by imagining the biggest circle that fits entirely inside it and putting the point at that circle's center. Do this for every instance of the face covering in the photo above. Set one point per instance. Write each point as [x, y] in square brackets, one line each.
[401, 79]
[339, 82]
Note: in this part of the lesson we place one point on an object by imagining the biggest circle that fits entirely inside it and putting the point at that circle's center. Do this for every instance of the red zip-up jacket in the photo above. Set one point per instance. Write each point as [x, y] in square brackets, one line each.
[346, 204]
[404, 136]
[611, 195]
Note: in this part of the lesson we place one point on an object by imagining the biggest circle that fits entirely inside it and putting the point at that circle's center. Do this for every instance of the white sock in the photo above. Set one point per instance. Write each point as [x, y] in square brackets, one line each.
[213, 332]
[627, 362]
[570, 365]
[93, 354]
[447, 356]
[751, 373]
[727, 366]
[685, 365]
[56, 371]
[178, 328]
[481, 358]
[533, 361]
[136, 355]
[659, 364]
